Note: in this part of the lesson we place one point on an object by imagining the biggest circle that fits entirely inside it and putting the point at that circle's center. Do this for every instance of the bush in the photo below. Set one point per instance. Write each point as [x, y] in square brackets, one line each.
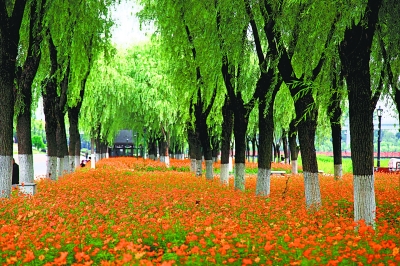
[37, 142]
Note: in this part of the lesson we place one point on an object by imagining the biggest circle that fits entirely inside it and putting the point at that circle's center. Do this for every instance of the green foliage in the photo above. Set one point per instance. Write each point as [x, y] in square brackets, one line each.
[37, 142]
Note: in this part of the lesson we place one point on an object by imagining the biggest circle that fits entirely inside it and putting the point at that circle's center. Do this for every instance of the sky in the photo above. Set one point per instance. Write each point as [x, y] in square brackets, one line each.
[127, 27]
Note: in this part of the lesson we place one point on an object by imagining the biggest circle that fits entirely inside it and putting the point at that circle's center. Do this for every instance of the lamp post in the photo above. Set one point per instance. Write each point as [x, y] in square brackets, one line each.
[379, 113]
[126, 146]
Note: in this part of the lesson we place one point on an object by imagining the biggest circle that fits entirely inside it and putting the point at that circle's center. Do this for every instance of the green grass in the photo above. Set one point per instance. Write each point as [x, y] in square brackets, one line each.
[325, 163]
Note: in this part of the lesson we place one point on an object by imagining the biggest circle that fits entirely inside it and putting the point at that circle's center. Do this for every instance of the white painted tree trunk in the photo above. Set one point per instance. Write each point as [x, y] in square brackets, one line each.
[162, 158]
[337, 171]
[77, 160]
[199, 168]
[230, 165]
[166, 161]
[60, 167]
[294, 167]
[71, 160]
[6, 176]
[66, 165]
[193, 168]
[364, 199]
[209, 170]
[93, 161]
[224, 176]
[51, 163]
[263, 186]
[98, 157]
[312, 190]
[26, 171]
[239, 176]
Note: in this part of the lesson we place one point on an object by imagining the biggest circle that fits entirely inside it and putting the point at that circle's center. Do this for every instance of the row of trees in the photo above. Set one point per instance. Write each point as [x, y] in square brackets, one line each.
[212, 68]
[320, 53]
[258, 68]
[47, 49]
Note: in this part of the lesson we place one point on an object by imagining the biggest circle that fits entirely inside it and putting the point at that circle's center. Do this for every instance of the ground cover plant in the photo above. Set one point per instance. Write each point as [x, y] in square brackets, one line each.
[122, 214]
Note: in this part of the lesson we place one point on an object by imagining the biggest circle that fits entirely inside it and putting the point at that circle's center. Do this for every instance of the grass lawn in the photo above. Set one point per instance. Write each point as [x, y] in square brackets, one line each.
[137, 212]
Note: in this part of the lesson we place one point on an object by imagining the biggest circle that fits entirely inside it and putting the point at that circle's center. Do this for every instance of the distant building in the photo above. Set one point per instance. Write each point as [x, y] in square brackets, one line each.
[123, 144]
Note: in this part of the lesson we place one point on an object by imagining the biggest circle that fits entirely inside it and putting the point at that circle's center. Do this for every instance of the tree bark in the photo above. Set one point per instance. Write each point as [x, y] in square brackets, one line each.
[240, 123]
[9, 40]
[74, 149]
[226, 136]
[266, 138]
[285, 145]
[335, 114]
[152, 148]
[294, 149]
[61, 134]
[254, 146]
[267, 94]
[49, 95]
[354, 52]
[192, 140]
[24, 95]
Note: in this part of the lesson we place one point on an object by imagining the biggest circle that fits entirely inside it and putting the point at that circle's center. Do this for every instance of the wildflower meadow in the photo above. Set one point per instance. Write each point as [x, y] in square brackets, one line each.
[131, 211]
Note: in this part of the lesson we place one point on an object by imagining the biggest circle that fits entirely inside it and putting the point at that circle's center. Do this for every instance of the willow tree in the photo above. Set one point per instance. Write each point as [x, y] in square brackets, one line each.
[354, 51]
[268, 84]
[193, 69]
[68, 34]
[299, 70]
[239, 70]
[11, 14]
[387, 50]
[26, 75]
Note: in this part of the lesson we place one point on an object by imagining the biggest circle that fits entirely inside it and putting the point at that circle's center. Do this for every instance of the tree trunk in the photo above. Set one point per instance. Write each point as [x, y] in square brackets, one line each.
[254, 146]
[294, 149]
[25, 156]
[266, 138]
[199, 158]
[61, 134]
[49, 96]
[192, 139]
[24, 95]
[226, 136]
[62, 147]
[74, 149]
[285, 146]
[93, 154]
[205, 141]
[354, 52]
[248, 148]
[336, 128]
[215, 148]
[307, 128]
[152, 148]
[9, 40]
[278, 152]
[240, 123]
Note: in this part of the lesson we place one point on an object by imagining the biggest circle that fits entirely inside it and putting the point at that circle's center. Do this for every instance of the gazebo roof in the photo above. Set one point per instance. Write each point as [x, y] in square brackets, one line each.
[124, 137]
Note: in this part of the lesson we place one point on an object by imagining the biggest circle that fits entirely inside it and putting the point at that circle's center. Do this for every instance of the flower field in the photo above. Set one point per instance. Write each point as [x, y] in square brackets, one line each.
[132, 211]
